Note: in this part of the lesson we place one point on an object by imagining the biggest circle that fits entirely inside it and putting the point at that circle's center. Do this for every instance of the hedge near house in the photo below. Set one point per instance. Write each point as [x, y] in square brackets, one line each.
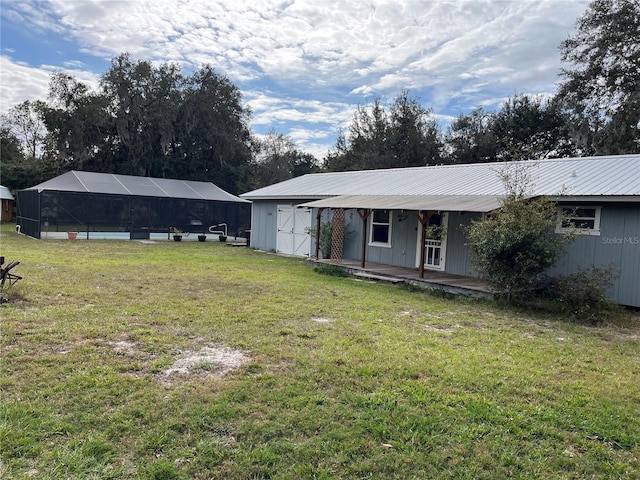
[517, 242]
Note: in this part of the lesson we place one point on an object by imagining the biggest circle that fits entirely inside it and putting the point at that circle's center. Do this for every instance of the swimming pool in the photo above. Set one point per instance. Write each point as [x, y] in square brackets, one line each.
[106, 236]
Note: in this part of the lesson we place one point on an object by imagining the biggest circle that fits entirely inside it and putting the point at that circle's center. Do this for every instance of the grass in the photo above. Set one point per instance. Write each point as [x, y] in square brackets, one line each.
[341, 378]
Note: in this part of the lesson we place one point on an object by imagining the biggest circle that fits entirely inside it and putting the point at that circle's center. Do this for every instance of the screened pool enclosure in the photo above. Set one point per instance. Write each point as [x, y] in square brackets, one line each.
[87, 202]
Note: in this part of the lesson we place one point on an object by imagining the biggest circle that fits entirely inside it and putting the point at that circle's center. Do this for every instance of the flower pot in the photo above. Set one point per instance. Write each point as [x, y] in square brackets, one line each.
[202, 238]
[222, 238]
[177, 238]
[72, 235]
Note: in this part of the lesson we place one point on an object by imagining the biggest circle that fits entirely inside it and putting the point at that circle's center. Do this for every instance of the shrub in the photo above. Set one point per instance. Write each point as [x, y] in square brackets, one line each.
[583, 294]
[516, 243]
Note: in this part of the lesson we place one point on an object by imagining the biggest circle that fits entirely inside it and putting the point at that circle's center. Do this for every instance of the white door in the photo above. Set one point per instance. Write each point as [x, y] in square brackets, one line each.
[435, 249]
[293, 237]
[301, 232]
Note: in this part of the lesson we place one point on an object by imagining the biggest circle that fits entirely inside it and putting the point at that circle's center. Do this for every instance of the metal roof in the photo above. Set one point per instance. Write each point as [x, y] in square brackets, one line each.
[609, 176]
[5, 193]
[450, 203]
[113, 184]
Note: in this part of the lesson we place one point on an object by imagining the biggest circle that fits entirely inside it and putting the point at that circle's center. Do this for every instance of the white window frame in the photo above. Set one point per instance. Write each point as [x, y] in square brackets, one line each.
[389, 224]
[578, 231]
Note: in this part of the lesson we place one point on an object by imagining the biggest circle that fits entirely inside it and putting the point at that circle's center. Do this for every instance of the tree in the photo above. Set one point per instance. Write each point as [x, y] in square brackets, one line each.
[517, 242]
[144, 101]
[601, 84]
[278, 159]
[81, 131]
[153, 121]
[529, 128]
[406, 135]
[413, 134]
[13, 160]
[212, 132]
[26, 124]
[471, 138]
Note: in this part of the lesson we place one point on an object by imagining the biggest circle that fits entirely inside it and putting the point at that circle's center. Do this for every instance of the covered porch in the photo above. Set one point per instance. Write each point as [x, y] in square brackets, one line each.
[423, 207]
[430, 279]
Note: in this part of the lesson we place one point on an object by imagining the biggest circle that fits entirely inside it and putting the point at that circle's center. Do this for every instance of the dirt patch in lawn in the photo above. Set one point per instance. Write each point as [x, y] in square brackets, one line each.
[322, 320]
[215, 362]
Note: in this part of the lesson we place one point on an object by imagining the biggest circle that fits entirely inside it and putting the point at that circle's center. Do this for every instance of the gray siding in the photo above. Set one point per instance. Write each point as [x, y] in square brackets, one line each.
[404, 235]
[263, 225]
[617, 244]
[458, 260]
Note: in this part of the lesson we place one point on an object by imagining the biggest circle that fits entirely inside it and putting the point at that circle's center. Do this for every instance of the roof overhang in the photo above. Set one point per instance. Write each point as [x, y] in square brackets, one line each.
[447, 203]
[596, 198]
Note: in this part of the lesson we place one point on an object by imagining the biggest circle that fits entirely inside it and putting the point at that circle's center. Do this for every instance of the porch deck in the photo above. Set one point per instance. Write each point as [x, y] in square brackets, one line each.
[457, 284]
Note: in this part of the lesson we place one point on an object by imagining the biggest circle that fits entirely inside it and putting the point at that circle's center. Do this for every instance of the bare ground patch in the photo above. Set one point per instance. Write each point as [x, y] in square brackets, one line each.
[322, 320]
[210, 362]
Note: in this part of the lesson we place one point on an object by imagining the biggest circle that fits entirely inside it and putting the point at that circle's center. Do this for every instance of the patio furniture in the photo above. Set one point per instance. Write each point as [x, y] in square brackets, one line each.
[6, 275]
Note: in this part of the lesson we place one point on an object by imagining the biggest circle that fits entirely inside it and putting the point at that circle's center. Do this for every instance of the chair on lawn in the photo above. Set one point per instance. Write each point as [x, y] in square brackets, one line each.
[6, 275]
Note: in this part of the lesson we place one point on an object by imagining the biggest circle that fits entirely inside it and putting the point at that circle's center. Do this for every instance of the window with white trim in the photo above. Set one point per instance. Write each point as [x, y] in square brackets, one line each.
[380, 228]
[578, 219]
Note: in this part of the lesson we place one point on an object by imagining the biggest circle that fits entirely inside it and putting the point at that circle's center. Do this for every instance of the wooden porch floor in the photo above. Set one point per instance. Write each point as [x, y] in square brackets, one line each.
[447, 282]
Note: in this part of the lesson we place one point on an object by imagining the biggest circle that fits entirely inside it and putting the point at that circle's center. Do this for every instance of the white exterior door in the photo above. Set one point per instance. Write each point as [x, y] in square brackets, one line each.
[293, 237]
[435, 249]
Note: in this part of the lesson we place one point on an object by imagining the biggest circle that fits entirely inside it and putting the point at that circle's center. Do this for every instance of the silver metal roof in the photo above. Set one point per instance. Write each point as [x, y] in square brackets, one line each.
[450, 203]
[609, 176]
[5, 193]
[108, 183]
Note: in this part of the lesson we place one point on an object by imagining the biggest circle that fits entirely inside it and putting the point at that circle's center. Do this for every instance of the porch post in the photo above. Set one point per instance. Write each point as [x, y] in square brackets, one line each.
[423, 218]
[318, 233]
[364, 214]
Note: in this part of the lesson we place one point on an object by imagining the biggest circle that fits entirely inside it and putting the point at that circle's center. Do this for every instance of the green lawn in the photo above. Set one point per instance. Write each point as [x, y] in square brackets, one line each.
[294, 374]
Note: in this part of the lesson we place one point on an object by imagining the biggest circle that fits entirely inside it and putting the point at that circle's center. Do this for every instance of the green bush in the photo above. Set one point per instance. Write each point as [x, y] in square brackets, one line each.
[516, 243]
[583, 294]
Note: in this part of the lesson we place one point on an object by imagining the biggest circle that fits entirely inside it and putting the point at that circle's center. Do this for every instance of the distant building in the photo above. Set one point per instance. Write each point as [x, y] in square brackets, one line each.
[8, 205]
[87, 202]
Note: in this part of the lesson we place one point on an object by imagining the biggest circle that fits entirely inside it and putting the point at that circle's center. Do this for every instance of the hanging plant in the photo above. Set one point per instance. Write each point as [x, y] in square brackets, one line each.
[436, 232]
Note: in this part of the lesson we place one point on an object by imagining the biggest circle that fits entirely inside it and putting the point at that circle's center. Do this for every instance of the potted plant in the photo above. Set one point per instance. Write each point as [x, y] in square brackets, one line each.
[177, 234]
[435, 232]
[202, 237]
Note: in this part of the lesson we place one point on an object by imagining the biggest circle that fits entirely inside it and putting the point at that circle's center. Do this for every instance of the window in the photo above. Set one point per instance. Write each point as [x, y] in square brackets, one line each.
[380, 233]
[581, 220]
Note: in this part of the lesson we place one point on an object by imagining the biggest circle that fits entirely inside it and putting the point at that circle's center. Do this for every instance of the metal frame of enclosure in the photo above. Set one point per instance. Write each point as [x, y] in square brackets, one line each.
[87, 202]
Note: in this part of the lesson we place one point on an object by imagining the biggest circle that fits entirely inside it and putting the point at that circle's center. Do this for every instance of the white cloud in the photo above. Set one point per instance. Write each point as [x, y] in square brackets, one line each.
[308, 62]
[20, 83]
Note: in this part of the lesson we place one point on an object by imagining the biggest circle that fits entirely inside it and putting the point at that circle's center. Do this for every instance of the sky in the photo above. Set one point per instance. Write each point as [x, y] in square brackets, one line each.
[303, 66]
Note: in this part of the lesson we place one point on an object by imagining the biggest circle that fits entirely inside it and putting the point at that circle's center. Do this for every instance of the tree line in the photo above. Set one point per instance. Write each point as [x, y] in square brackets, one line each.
[157, 121]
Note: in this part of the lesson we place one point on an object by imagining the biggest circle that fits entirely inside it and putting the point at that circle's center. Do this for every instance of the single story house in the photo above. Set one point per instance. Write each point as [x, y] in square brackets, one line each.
[389, 215]
[87, 202]
[7, 205]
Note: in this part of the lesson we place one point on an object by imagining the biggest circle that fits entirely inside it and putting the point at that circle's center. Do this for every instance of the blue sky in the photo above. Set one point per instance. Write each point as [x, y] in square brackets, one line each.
[303, 66]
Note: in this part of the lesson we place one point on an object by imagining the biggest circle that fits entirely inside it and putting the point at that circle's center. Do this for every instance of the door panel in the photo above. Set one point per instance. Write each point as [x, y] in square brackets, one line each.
[301, 229]
[293, 237]
[284, 238]
[435, 249]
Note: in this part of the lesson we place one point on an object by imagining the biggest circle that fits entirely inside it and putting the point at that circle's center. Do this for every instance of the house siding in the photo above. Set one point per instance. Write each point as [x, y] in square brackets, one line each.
[458, 260]
[263, 225]
[617, 244]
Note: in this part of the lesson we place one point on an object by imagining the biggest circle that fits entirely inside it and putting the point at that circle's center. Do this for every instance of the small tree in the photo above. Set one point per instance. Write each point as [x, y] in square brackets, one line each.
[517, 242]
